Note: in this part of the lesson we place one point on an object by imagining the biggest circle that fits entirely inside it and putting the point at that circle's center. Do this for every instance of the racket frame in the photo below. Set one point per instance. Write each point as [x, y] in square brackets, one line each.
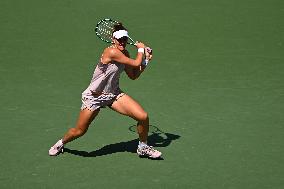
[110, 40]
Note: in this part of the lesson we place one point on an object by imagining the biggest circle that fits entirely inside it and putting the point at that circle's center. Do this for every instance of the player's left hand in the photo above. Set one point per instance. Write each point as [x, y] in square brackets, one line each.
[148, 53]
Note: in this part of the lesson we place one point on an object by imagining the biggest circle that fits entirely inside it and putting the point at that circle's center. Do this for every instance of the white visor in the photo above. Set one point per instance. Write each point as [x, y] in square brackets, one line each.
[120, 33]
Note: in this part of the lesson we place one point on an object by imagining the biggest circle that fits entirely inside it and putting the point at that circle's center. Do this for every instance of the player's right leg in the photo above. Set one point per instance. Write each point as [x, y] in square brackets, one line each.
[86, 116]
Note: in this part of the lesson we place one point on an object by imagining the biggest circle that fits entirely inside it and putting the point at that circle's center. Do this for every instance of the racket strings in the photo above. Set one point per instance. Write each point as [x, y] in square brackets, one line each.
[105, 29]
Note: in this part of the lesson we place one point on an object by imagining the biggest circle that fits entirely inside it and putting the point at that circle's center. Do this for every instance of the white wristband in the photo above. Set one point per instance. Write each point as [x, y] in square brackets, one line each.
[141, 50]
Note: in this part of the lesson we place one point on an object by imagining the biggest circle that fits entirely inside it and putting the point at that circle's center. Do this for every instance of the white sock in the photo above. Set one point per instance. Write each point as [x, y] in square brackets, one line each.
[141, 144]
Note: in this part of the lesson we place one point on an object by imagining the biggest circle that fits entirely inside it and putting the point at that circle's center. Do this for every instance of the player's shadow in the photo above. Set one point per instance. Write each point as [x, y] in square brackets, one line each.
[154, 139]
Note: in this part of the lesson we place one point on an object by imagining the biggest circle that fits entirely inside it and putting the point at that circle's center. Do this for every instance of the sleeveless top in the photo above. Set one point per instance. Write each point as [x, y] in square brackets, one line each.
[105, 79]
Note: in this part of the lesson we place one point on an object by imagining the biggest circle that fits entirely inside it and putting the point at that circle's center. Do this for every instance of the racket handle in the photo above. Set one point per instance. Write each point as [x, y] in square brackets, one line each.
[145, 62]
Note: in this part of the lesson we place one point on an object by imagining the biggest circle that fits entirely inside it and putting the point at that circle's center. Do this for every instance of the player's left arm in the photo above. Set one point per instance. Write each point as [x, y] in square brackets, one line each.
[134, 72]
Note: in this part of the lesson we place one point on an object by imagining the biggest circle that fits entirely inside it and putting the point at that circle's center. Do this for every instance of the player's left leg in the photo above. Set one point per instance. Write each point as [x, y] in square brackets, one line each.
[128, 106]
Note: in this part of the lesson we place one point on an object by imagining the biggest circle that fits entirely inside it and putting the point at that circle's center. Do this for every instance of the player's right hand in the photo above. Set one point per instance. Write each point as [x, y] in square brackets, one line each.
[139, 45]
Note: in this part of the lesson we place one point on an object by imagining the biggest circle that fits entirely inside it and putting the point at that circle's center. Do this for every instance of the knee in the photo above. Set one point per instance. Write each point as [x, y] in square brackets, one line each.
[77, 132]
[143, 116]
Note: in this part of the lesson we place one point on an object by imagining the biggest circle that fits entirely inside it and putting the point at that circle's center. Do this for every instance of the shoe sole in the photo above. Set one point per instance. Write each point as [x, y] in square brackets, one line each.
[59, 152]
[152, 158]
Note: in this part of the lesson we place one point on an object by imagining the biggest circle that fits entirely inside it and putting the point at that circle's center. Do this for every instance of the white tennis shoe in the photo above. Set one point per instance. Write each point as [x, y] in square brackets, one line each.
[56, 149]
[148, 151]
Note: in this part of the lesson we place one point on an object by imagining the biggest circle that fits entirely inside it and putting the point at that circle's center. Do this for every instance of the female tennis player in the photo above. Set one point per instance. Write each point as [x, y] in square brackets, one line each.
[104, 91]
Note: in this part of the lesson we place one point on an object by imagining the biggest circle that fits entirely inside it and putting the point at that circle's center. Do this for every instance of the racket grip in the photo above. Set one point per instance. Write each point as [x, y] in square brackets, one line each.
[145, 62]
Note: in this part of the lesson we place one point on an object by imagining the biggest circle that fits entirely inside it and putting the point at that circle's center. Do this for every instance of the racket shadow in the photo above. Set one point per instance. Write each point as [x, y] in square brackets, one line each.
[154, 139]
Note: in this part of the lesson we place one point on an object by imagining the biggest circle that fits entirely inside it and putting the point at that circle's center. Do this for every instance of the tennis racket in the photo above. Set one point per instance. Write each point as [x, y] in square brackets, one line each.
[104, 30]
